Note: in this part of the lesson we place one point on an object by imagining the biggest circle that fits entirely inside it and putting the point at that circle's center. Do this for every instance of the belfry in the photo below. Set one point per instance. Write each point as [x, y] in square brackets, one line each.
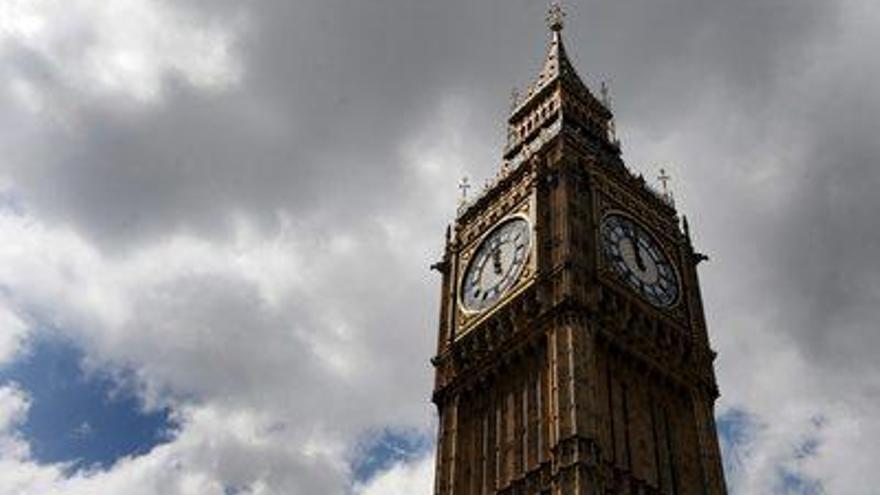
[572, 351]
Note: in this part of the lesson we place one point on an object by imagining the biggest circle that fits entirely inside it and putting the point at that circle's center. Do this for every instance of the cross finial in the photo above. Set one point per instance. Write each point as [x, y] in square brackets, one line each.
[664, 179]
[605, 92]
[463, 186]
[555, 16]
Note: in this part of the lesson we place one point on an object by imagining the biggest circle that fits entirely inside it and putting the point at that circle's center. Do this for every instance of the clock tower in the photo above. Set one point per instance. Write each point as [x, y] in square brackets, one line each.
[572, 352]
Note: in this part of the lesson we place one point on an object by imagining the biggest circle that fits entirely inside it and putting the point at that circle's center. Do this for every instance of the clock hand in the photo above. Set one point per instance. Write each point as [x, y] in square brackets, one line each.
[638, 252]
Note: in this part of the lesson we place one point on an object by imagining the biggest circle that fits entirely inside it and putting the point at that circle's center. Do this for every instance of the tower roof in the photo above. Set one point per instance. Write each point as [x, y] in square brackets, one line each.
[557, 67]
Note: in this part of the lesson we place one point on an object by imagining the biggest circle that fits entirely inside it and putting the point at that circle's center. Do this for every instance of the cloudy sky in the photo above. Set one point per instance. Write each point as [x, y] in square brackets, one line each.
[217, 217]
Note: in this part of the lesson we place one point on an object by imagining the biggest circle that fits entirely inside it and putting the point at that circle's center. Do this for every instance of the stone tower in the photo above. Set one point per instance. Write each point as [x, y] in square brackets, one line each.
[572, 352]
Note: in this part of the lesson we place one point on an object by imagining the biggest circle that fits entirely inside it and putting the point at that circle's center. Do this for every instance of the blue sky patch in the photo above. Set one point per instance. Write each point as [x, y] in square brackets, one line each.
[739, 430]
[792, 483]
[737, 427]
[379, 451]
[11, 202]
[86, 420]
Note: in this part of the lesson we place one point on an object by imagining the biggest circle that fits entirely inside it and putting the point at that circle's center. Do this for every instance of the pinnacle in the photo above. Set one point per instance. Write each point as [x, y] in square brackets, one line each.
[556, 65]
[556, 17]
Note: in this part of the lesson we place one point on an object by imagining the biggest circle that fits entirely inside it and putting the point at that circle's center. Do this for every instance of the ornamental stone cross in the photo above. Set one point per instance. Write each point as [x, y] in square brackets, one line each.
[664, 179]
[555, 16]
[463, 186]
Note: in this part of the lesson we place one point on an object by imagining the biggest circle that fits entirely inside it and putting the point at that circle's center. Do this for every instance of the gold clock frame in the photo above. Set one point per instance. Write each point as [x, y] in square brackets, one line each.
[467, 319]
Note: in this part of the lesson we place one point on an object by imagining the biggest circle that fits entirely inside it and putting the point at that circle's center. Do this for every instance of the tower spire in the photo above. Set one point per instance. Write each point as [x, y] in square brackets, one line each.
[556, 63]
[538, 112]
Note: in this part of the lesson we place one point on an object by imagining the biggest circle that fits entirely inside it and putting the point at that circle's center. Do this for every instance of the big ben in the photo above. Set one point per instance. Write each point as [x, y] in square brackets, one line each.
[572, 353]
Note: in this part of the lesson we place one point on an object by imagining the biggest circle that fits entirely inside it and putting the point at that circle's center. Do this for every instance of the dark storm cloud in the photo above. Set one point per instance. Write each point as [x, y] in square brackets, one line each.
[329, 89]
[661, 54]
[827, 242]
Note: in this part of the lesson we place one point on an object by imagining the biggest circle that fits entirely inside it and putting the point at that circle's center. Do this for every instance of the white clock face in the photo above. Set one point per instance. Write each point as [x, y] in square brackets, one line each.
[496, 264]
[639, 260]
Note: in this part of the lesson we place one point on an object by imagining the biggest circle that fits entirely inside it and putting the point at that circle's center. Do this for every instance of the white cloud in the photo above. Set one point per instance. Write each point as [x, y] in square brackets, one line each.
[405, 478]
[270, 381]
[123, 47]
[14, 406]
[12, 333]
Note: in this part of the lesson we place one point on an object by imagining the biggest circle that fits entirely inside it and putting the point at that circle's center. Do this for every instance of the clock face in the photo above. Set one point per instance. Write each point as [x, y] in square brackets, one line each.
[496, 264]
[639, 260]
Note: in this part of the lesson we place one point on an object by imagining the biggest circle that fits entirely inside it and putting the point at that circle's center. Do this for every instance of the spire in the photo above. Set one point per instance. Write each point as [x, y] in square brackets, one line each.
[556, 62]
[537, 113]
[553, 60]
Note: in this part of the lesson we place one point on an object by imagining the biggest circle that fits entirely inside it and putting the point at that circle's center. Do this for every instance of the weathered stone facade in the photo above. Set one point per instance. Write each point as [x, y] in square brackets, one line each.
[572, 383]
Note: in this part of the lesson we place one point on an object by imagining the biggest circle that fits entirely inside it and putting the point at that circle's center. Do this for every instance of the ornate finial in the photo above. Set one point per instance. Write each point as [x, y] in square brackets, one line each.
[666, 194]
[514, 98]
[612, 132]
[463, 186]
[605, 95]
[605, 92]
[664, 179]
[555, 16]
